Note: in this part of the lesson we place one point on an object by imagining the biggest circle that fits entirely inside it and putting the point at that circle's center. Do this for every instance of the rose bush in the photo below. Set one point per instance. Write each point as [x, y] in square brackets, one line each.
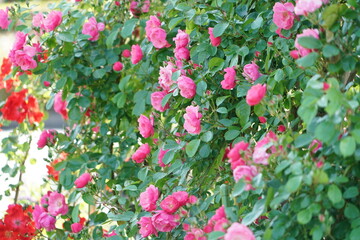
[187, 120]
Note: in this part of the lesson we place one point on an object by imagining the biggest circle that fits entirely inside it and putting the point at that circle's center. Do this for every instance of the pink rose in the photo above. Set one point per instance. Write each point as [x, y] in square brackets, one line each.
[261, 155]
[57, 204]
[47, 136]
[4, 19]
[255, 94]
[52, 20]
[42, 219]
[215, 41]
[25, 58]
[164, 222]
[142, 152]
[262, 119]
[60, 105]
[126, 53]
[182, 39]
[118, 66]
[83, 180]
[136, 54]
[181, 196]
[245, 172]
[38, 20]
[20, 39]
[229, 78]
[251, 72]
[182, 53]
[146, 227]
[221, 224]
[156, 99]
[303, 7]
[283, 15]
[76, 227]
[239, 231]
[170, 204]
[161, 156]
[46, 83]
[138, 7]
[149, 198]
[235, 154]
[294, 54]
[281, 128]
[151, 24]
[146, 126]
[187, 87]
[92, 28]
[192, 199]
[158, 38]
[315, 145]
[306, 33]
[192, 120]
[165, 76]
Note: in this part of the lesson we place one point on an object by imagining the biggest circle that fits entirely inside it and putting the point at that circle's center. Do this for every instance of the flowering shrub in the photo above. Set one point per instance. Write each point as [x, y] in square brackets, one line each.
[188, 120]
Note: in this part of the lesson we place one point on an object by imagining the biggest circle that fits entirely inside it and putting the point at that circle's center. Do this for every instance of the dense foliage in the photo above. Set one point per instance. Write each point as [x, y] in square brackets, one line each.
[188, 119]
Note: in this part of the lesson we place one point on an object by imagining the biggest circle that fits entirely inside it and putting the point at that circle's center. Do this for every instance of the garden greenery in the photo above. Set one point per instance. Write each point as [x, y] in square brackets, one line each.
[186, 119]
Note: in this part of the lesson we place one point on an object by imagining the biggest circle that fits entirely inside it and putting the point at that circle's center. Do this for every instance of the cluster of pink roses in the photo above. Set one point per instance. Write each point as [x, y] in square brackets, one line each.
[164, 220]
[182, 40]
[92, 28]
[46, 137]
[139, 7]
[48, 23]
[4, 19]
[218, 222]
[51, 205]
[155, 34]
[240, 155]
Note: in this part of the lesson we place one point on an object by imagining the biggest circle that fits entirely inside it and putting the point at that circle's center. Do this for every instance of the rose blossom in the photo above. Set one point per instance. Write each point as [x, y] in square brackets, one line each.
[262, 119]
[170, 204]
[52, 20]
[283, 15]
[47, 136]
[192, 118]
[315, 145]
[245, 172]
[229, 78]
[83, 180]
[164, 222]
[187, 87]
[118, 66]
[235, 156]
[38, 20]
[57, 204]
[255, 94]
[181, 196]
[146, 227]
[136, 54]
[142, 152]
[76, 227]
[251, 71]
[60, 105]
[182, 53]
[4, 19]
[182, 39]
[165, 75]
[260, 155]
[42, 219]
[303, 7]
[149, 198]
[135, 7]
[25, 58]
[146, 126]
[302, 51]
[239, 231]
[156, 99]
[215, 41]
[126, 53]
[158, 38]
[92, 28]
[151, 24]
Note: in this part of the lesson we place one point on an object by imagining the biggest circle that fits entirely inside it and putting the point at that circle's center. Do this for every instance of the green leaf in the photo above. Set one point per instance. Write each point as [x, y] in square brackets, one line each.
[216, 64]
[243, 112]
[304, 216]
[207, 136]
[256, 212]
[279, 75]
[100, 218]
[303, 140]
[310, 42]
[220, 28]
[355, 233]
[168, 157]
[308, 61]
[99, 73]
[347, 146]
[239, 188]
[325, 131]
[174, 22]
[351, 192]
[142, 174]
[88, 198]
[243, 51]
[257, 23]
[215, 235]
[127, 216]
[351, 211]
[75, 114]
[165, 100]
[293, 184]
[334, 194]
[201, 88]
[231, 134]
[75, 214]
[128, 27]
[66, 37]
[111, 38]
[192, 147]
[330, 51]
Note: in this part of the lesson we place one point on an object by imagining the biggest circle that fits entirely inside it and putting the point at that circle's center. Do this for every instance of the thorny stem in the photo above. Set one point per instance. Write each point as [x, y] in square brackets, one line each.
[21, 172]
